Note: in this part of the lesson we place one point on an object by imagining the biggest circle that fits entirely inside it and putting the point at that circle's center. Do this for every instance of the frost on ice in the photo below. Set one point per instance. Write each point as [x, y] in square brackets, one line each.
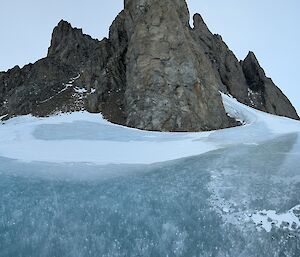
[268, 219]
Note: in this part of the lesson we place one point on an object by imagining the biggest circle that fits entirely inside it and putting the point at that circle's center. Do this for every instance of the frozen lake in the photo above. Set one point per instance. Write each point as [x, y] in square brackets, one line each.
[207, 205]
[75, 185]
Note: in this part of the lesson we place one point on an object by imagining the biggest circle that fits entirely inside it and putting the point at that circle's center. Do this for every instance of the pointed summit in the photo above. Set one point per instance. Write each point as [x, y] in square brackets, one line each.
[254, 74]
[251, 56]
[263, 93]
[64, 24]
[252, 61]
[199, 22]
[69, 44]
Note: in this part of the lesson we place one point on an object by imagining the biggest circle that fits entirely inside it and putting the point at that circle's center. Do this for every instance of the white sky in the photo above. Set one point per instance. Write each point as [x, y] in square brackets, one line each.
[270, 28]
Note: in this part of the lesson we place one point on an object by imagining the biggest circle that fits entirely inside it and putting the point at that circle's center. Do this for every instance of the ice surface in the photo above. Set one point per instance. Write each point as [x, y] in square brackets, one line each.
[77, 185]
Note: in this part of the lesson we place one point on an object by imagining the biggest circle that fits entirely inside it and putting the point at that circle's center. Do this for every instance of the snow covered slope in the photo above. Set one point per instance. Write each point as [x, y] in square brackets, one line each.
[84, 137]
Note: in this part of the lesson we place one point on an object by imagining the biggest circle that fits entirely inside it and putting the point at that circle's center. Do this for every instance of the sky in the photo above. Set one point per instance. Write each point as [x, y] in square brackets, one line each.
[270, 28]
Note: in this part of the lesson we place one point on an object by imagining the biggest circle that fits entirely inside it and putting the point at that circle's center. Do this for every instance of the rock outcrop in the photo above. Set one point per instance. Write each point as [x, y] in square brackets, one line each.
[245, 80]
[263, 94]
[154, 72]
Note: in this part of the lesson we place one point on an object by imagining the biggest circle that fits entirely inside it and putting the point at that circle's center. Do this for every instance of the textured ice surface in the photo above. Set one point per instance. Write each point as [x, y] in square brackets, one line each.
[267, 219]
[198, 206]
[237, 201]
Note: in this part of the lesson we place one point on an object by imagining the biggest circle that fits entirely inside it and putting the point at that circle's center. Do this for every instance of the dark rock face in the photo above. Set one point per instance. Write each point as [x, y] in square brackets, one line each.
[244, 80]
[263, 93]
[153, 72]
[32, 88]
[226, 66]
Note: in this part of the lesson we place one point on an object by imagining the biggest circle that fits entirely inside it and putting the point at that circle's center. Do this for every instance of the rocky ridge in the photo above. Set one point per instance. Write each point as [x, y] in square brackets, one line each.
[154, 72]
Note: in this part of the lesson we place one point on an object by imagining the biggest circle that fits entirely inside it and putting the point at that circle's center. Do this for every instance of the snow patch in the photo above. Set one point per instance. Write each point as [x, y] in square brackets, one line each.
[80, 90]
[267, 219]
[3, 117]
[72, 80]
[250, 116]
[67, 86]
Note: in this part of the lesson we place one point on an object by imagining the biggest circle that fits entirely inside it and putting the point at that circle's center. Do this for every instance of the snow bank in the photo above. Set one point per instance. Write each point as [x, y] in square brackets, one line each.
[84, 140]
[275, 124]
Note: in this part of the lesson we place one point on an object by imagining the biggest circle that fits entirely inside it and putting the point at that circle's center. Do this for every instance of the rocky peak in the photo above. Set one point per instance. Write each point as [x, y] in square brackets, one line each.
[254, 74]
[137, 8]
[70, 44]
[61, 34]
[252, 61]
[251, 57]
[199, 24]
[262, 92]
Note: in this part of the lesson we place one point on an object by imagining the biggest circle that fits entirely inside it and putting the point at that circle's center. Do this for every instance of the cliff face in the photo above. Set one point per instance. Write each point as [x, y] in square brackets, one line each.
[170, 82]
[245, 80]
[154, 72]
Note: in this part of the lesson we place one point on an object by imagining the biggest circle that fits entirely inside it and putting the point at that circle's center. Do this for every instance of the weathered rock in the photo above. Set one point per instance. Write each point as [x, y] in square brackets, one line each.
[153, 72]
[70, 45]
[246, 80]
[32, 88]
[263, 93]
[225, 64]
[170, 82]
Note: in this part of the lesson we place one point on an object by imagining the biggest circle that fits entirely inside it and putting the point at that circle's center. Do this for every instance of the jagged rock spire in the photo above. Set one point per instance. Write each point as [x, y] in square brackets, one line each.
[169, 80]
[154, 72]
[263, 93]
[69, 44]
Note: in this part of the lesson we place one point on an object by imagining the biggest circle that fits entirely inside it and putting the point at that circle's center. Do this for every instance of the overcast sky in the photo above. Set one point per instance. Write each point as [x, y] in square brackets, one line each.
[270, 28]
